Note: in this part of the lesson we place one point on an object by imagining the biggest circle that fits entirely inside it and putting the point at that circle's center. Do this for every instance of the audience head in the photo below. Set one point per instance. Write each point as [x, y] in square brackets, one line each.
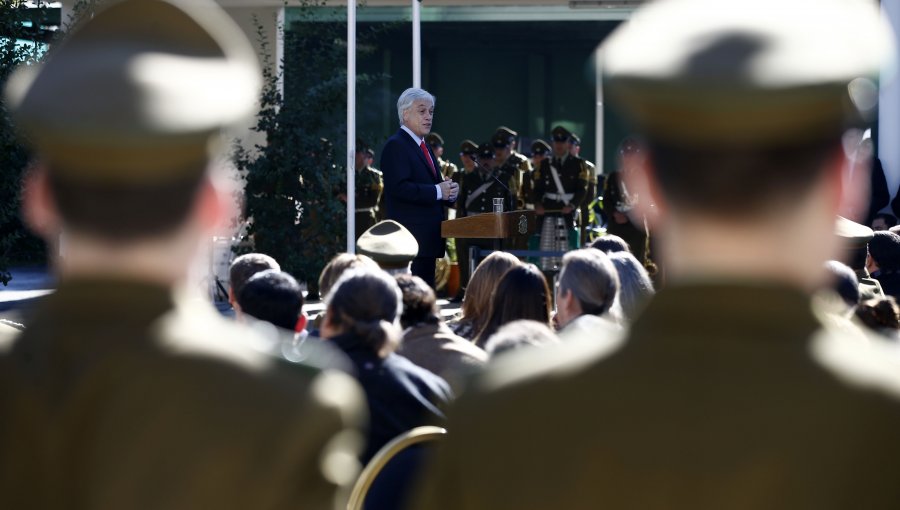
[522, 293]
[884, 221]
[884, 250]
[635, 286]
[482, 284]
[610, 243]
[881, 315]
[518, 334]
[276, 297]
[244, 267]
[365, 303]
[588, 284]
[419, 302]
[338, 265]
[844, 282]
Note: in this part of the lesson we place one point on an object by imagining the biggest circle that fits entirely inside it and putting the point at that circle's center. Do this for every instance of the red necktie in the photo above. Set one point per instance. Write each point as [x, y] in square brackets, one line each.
[428, 159]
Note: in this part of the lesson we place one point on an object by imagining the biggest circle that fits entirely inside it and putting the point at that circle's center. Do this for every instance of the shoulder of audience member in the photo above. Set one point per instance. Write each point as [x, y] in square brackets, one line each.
[861, 359]
[577, 352]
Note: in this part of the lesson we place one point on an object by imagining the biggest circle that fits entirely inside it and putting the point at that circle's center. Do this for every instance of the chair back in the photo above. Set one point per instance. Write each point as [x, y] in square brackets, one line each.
[384, 456]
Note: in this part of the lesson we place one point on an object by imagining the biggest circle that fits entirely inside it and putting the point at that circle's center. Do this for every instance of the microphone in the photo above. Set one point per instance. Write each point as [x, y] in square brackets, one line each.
[494, 176]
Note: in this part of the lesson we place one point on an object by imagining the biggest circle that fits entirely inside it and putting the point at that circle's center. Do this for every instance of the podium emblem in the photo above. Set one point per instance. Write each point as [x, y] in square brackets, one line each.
[523, 224]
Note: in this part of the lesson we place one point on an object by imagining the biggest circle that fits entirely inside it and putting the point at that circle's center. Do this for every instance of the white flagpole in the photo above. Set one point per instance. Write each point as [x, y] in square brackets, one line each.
[351, 126]
[416, 45]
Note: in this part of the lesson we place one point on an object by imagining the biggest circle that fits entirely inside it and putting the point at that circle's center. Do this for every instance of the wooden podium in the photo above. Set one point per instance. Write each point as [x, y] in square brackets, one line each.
[497, 226]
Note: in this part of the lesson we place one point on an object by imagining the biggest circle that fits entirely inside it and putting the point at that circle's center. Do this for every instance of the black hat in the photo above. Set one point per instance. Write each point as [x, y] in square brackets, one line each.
[540, 147]
[560, 134]
[503, 137]
[468, 147]
[434, 140]
[486, 151]
[884, 247]
[370, 152]
[573, 138]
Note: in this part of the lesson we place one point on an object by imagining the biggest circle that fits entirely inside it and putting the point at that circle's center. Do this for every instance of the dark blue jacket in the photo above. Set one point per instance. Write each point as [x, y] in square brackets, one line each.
[400, 394]
[409, 195]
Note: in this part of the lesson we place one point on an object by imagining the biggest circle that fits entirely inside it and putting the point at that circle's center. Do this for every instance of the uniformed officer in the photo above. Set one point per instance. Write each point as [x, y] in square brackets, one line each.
[583, 213]
[560, 186]
[128, 390]
[505, 155]
[468, 154]
[539, 152]
[369, 185]
[477, 192]
[854, 239]
[728, 390]
[448, 169]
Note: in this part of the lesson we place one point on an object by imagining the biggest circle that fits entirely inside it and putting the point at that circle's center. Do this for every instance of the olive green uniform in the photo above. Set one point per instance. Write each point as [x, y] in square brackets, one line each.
[122, 395]
[703, 406]
[369, 185]
[477, 192]
[573, 175]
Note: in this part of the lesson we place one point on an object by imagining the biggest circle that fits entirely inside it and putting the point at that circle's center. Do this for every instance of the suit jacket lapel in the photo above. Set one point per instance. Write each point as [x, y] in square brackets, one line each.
[418, 149]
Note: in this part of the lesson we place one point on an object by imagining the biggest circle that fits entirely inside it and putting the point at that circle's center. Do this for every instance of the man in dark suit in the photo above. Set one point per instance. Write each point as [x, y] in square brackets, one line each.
[415, 193]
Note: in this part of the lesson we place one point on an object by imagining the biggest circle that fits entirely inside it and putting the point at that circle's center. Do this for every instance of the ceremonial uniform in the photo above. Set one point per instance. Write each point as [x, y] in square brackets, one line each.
[123, 394]
[477, 192]
[568, 188]
[369, 185]
[793, 420]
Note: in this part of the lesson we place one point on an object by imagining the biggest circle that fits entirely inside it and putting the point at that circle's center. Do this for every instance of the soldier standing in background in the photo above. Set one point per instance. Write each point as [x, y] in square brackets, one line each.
[478, 190]
[619, 201]
[539, 151]
[504, 142]
[369, 185]
[468, 151]
[584, 208]
[447, 168]
[560, 185]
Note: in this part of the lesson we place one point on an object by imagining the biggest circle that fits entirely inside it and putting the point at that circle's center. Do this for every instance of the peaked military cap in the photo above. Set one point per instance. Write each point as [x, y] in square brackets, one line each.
[503, 137]
[370, 152]
[139, 92]
[560, 134]
[434, 140]
[699, 71]
[505, 131]
[468, 147]
[852, 233]
[539, 147]
[486, 151]
[389, 244]
[573, 138]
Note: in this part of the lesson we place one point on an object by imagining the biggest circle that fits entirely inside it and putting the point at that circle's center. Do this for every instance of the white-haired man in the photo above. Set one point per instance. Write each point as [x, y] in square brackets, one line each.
[415, 193]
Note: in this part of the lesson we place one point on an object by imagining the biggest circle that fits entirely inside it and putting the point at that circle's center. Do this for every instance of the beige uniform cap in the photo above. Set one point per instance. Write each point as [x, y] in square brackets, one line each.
[698, 71]
[139, 92]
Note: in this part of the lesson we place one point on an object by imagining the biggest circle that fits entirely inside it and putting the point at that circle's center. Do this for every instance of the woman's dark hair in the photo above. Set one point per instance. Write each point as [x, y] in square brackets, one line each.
[885, 250]
[522, 293]
[419, 301]
[482, 285]
[366, 303]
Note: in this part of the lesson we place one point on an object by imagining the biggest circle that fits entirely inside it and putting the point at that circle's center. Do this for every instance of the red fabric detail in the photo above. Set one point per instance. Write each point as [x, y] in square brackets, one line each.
[428, 159]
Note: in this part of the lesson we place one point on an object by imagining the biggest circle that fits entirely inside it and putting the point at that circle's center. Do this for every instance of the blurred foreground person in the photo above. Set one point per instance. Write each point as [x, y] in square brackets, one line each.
[728, 391]
[128, 391]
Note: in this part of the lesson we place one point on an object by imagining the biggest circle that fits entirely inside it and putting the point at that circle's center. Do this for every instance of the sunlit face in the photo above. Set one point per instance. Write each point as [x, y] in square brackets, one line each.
[418, 117]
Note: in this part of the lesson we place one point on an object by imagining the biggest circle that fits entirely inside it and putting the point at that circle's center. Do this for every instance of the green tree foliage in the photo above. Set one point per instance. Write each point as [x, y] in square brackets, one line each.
[294, 183]
[17, 245]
